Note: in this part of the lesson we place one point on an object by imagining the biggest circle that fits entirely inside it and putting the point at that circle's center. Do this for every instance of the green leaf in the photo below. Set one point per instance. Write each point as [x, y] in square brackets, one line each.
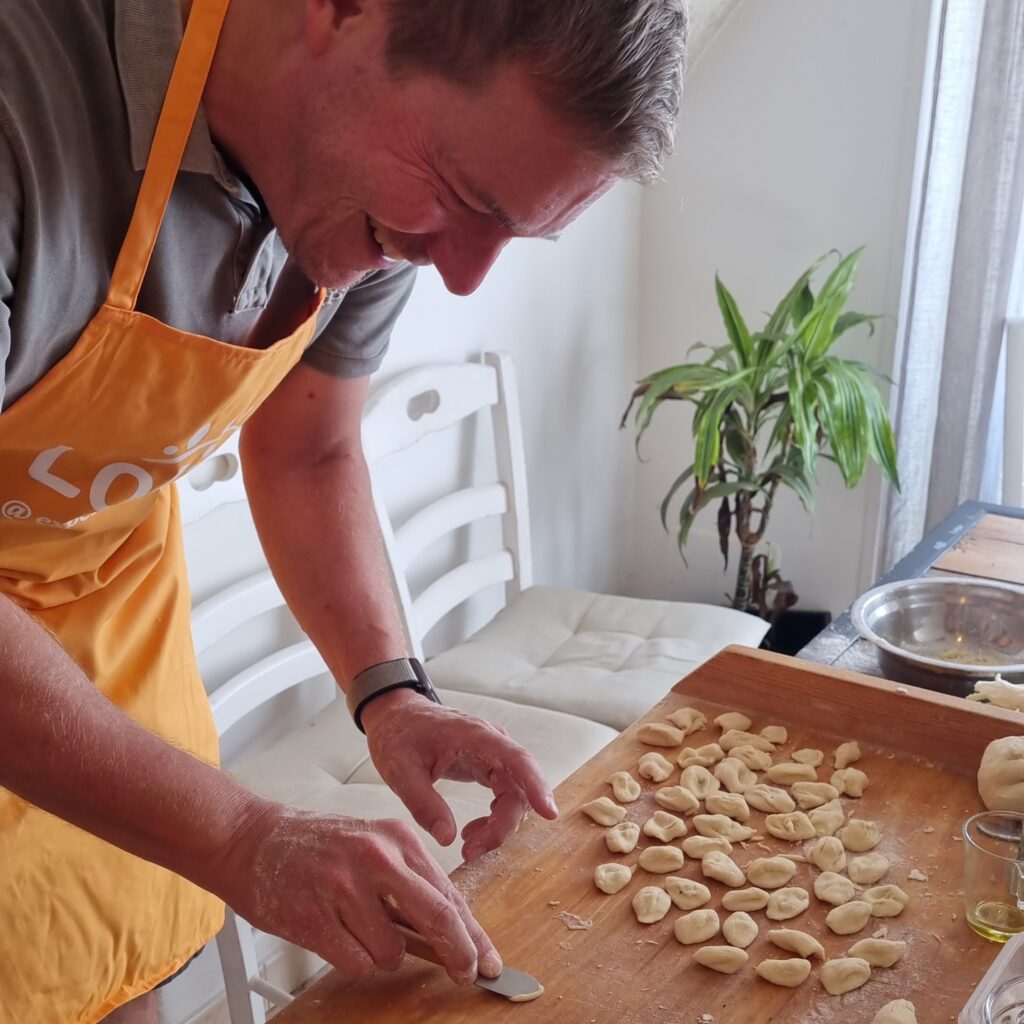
[739, 336]
[794, 478]
[847, 321]
[820, 330]
[678, 482]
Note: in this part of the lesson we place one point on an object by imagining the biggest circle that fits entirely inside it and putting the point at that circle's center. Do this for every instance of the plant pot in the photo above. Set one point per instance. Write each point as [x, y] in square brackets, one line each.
[793, 630]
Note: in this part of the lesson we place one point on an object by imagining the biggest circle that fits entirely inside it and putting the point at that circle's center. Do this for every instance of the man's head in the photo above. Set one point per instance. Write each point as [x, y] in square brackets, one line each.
[437, 130]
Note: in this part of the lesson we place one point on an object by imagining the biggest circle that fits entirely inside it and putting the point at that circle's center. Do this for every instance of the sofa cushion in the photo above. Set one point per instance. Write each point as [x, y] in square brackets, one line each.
[605, 658]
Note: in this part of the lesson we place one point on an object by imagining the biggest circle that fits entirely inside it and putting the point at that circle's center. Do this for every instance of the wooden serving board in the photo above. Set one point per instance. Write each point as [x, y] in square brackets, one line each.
[920, 751]
[992, 549]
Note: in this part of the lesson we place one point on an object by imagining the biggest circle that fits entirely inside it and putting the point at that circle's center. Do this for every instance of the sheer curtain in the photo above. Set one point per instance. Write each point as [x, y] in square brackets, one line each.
[961, 248]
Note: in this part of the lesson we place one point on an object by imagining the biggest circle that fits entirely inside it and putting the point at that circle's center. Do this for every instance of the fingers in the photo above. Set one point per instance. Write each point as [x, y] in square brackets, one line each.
[343, 951]
[366, 918]
[485, 834]
[415, 789]
[523, 770]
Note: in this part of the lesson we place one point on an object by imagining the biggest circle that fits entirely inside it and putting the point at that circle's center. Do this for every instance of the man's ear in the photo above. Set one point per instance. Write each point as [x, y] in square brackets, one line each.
[324, 18]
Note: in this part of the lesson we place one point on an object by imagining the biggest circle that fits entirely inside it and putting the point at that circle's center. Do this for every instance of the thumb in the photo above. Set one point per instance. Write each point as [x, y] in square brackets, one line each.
[414, 788]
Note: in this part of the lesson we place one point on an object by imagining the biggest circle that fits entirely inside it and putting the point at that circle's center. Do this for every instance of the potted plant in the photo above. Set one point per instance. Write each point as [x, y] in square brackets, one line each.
[767, 406]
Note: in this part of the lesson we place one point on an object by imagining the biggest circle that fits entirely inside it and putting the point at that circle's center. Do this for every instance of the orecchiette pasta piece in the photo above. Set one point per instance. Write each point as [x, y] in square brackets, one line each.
[724, 959]
[886, 900]
[610, 878]
[808, 755]
[660, 734]
[697, 926]
[795, 826]
[899, 1011]
[769, 799]
[732, 805]
[827, 818]
[664, 826]
[770, 872]
[718, 826]
[651, 904]
[850, 781]
[735, 775]
[622, 838]
[700, 846]
[846, 754]
[604, 811]
[745, 899]
[829, 854]
[699, 781]
[860, 836]
[849, 918]
[788, 772]
[686, 893]
[776, 734]
[834, 888]
[787, 973]
[677, 798]
[739, 737]
[797, 942]
[755, 760]
[689, 720]
[733, 720]
[625, 788]
[844, 975]
[879, 952]
[868, 868]
[706, 756]
[739, 929]
[655, 766]
[786, 903]
[722, 868]
[660, 860]
[813, 794]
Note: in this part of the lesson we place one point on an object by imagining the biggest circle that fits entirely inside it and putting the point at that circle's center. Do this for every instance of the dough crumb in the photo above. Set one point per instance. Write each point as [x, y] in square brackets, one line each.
[917, 876]
[574, 922]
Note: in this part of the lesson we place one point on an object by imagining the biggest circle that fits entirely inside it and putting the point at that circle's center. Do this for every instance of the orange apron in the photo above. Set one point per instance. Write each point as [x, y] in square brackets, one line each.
[90, 545]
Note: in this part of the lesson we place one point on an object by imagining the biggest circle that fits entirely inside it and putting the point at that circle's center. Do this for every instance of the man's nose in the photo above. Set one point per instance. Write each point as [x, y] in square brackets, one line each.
[463, 260]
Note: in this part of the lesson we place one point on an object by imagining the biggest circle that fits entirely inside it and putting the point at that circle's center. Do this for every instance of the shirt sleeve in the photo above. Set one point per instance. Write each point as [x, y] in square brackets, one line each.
[10, 231]
[354, 339]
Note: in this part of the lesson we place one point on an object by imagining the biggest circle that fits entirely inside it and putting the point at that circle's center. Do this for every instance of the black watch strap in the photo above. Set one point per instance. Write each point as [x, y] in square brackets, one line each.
[403, 673]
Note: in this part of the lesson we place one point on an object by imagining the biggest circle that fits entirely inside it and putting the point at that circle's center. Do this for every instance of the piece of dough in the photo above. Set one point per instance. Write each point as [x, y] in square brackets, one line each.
[828, 818]
[777, 734]
[655, 766]
[868, 869]
[739, 929]
[699, 781]
[677, 798]
[844, 975]
[622, 838]
[813, 794]
[604, 811]
[834, 888]
[787, 772]
[786, 903]
[755, 760]
[846, 754]
[808, 755]
[735, 775]
[795, 826]
[859, 836]
[850, 781]
[879, 952]
[770, 872]
[829, 854]
[1001, 775]
[899, 1011]
[651, 904]
[724, 959]
[610, 878]
[697, 926]
[745, 899]
[797, 942]
[733, 720]
[849, 918]
[660, 734]
[660, 860]
[786, 973]
[625, 788]
[722, 868]
[690, 720]
[769, 799]
[718, 826]
[732, 805]
[739, 737]
[699, 846]
[664, 826]
[886, 900]
[706, 756]
[686, 893]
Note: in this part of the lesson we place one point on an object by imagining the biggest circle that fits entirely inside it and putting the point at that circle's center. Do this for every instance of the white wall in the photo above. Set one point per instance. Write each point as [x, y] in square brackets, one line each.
[797, 137]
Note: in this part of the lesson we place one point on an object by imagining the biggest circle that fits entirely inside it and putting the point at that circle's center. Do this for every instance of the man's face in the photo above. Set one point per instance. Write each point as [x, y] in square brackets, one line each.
[422, 169]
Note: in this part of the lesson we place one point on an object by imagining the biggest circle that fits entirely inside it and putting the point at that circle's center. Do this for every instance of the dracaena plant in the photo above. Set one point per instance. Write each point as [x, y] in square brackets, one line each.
[767, 406]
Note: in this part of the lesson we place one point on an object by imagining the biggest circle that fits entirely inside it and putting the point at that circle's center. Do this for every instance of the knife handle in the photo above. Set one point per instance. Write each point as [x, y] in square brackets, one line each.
[417, 946]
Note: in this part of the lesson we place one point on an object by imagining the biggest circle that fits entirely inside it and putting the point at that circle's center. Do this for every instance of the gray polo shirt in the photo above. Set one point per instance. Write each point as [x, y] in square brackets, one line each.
[81, 84]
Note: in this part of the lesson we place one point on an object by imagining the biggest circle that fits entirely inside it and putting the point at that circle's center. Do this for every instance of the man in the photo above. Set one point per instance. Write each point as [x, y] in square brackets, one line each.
[361, 137]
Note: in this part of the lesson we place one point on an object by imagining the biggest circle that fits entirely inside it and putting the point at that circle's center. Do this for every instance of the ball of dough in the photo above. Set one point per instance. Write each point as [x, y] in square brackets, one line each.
[797, 942]
[732, 805]
[699, 781]
[722, 868]
[690, 720]
[786, 903]
[651, 904]
[677, 798]
[868, 869]
[699, 847]
[886, 900]
[834, 888]
[788, 772]
[850, 781]
[813, 794]
[795, 826]
[1001, 775]
[860, 836]
[611, 878]
[787, 973]
[655, 766]
[660, 860]
[622, 838]
[828, 818]
[724, 959]
[770, 872]
[899, 1011]
[604, 811]
[660, 734]
[776, 733]
[739, 929]
[740, 737]
[733, 720]
[709, 754]
[810, 756]
[745, 899]
[686, 893]
[847, 753]
[735, 775]
[664, 826]
[829, 854]
[697, 926]
[769, 799]
[879, 952]
[718, 826]
[844, 975]
[755, 760]
[849, 918]
[625, 788]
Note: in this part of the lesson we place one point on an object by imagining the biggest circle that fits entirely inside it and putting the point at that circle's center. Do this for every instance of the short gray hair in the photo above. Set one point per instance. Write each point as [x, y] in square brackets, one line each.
[613, 68]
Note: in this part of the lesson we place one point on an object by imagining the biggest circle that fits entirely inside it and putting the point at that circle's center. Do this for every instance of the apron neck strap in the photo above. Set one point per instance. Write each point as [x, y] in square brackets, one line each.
[178, 114]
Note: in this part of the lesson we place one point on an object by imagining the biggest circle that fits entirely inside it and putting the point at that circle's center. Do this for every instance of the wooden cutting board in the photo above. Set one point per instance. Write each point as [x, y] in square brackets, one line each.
[920, 750]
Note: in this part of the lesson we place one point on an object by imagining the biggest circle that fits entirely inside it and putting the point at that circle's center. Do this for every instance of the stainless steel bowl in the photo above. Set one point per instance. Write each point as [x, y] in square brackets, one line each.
[945, 633]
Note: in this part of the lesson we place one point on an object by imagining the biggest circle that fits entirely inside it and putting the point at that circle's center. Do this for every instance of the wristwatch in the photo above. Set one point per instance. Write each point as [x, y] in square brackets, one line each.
[403, 673]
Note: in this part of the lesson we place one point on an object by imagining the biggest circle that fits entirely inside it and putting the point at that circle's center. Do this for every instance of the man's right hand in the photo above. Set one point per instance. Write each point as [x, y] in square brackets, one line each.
[327, 883]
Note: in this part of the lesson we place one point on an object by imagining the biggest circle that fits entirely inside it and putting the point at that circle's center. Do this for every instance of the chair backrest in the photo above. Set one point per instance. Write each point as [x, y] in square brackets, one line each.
[1013, 434]
[399, 416]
